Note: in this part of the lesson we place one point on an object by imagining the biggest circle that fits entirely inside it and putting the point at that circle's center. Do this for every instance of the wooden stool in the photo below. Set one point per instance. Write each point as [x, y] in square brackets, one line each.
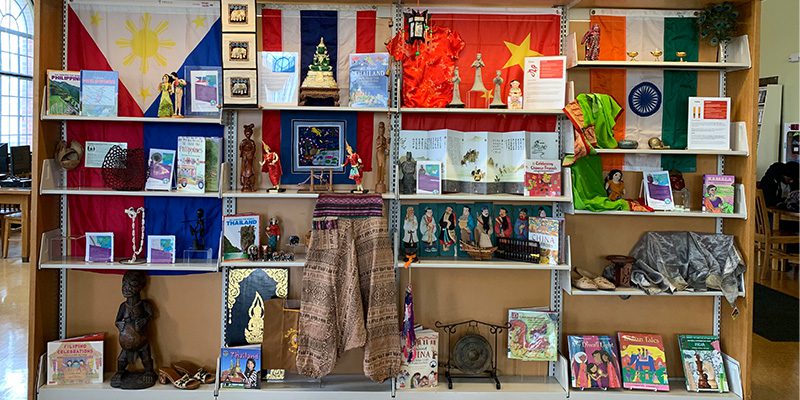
[8, 219]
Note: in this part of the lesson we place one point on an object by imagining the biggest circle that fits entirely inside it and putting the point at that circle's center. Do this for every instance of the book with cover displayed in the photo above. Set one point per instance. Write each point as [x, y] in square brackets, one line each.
[99, 247]
[429, 177]
[161, 249]
[99, 93]
[718, 194]
[75, 361]
[643, 361]
[369, 82]
[658, 190]
[543, 178]
[63, 92]
[532, 334]
[702, 363]
[593, 362]
[191, 164]
[239, 231]
[547, 231]
[160, 167]
[240, 367]
[420, 364]
[213, 163]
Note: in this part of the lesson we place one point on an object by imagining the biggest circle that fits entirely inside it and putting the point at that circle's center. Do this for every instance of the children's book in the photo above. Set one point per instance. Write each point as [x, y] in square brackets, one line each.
[643, 361]
[191, 164]
[161, 249]
[420, 364]
[213, 163]
[161, 165]
[240, 367]
[543, 178]
[594, 363]
[702, 363]
[63, 92]
[75, 361]
[369, 82]
[429, 177]
[548, 232]
[240, 231]
[532, 334]
[657, 190]
[99, 93]
[718, 194]
[100, 247]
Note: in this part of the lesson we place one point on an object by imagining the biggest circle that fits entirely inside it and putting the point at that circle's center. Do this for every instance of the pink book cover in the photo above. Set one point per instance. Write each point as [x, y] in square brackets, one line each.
[643, 361]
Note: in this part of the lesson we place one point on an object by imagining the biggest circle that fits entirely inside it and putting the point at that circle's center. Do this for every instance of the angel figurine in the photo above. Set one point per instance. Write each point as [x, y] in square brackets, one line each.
[165, 107]
[177, 86]
[356, 168]
[271, 165]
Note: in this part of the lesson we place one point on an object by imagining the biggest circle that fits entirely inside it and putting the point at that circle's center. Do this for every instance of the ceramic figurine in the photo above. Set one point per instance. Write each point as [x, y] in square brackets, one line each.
[483, 228]
[165, 107]
[356, 169]
[273, 234]
[408, 182]
[615, 186]
[478, 64]
[271, 165]
[198, 231]
[632, 55]
[657, 54]
[591, 42]
[515, 96]
[456, 102]
[382, 147]
[133, 317]
[497, 101]
[177, 86]
[247, 152]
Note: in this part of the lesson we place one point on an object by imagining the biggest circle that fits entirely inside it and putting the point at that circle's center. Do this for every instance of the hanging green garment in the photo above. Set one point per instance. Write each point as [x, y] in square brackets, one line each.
[588, 190]
[601, 111]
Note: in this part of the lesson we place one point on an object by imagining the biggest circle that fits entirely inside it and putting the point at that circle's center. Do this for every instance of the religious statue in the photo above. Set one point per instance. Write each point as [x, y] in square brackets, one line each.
[271, 165]
[165, 107]
[132, 319]
[382, 146]
[591, 42]
[356, 168]
[456, 102]
[478, 64]
[198, 231]
[497, 101]
[408, 167]
[177, 86]
[615, 186]
[273, 234]
[515, 96]
[319, 83]
[247, 152]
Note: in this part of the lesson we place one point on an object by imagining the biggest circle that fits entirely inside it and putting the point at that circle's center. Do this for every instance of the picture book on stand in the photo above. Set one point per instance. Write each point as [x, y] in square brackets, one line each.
[593, 362]
[76, 360]
[240, 367]
[99, 93]
[718, 194]
[543, 178]
[532, 334]
[239, 232]
[702, 363]
[420, 365]
[658, 190]
[191, 164]
[369, 83]
[548, 232]
[161, 165]
[63, 92]
[643, 361]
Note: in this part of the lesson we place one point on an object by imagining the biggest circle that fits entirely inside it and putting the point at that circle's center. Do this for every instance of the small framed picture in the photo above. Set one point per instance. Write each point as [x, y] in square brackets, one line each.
[238, 15]
[204, 91]
[239, 50]
[161, 249]
[429, 177]
[100, 247]
[240, 87]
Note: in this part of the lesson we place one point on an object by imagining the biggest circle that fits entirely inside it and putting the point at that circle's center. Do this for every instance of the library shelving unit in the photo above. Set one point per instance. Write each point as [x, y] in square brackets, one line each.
[66, 301]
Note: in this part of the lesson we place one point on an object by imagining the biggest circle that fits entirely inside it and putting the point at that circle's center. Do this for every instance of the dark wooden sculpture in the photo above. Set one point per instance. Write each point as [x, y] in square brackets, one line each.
[247, 152]
[133, 317]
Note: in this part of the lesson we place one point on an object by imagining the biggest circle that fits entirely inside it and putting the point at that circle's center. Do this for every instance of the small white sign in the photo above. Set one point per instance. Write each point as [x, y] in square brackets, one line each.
[96, 152]
[709, 123]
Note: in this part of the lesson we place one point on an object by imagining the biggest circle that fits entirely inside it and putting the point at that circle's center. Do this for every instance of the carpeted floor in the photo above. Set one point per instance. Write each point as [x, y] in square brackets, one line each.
[775, 315]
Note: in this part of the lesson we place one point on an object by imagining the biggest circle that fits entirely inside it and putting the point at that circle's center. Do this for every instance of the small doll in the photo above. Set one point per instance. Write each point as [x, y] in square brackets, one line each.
[356, 168]
[615, 186]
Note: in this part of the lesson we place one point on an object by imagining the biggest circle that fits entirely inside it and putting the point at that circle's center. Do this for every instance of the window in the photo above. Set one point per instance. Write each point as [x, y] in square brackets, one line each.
[16, 72]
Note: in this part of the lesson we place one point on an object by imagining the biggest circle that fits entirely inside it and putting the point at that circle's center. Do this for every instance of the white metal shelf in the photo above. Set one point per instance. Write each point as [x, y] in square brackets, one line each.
[496, 111]
[668, 65]
[513, 388]
[463, 263]
[299, 261]
[328, 108]
[677, 390]
[186, 120]
[739, 146]
[104, 391]
[566, 286]
[344, 387]
[288, 194]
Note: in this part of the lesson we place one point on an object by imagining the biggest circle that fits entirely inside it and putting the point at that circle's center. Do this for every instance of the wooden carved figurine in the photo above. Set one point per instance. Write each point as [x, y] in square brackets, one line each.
[177, 86]
[247, 152]
[132, 319]
[271, 165]
[356, 169]
[382, 146]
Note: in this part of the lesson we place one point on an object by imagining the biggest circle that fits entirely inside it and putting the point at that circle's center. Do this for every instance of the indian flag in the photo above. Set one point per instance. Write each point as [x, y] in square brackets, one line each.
[655, 101]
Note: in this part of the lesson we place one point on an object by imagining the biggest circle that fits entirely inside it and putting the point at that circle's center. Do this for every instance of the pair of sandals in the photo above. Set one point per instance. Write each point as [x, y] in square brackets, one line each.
[185, 375]
[586, 280]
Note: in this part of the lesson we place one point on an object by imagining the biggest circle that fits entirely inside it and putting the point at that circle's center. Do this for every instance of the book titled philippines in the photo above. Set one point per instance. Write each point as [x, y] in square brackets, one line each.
[718, 194]
[213, 163]
[593, 362]
[191, 164]
[643, 361]
[532, 334]
[543, 178]
[75, 361]
[240, 367]
[658, 190]
[63, 92]
[548, 232]
[369, 83]
[240, 231]
[702, 363]
[99, 93]
[420, 365]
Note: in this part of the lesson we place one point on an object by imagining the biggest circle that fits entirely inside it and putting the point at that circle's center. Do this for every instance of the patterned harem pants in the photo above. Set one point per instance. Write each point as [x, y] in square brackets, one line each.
[349, 297]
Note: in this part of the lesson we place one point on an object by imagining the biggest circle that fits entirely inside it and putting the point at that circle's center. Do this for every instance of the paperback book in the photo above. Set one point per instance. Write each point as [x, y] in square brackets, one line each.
[702, 363]
[75, 361]
[543, 178]
[191, 164]
[63, 92]
[242, 367]
[644, 363]
[213, 163]
[161, 165]
[99, 93]
[240, 231]
[718, 194]
[548, 232]
[420, 364]
[658, 190]
[161, 249]
[369, 82]
[429, 177]
[532, 334]
[100, 247]
[593, 362]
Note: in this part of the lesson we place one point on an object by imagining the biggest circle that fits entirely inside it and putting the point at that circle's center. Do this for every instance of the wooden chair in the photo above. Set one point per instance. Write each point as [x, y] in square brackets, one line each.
[8, 219]
[769, 242]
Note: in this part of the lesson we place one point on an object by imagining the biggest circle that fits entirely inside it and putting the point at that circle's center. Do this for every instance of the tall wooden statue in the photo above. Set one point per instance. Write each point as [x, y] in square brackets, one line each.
[382, 146]
[247, 152]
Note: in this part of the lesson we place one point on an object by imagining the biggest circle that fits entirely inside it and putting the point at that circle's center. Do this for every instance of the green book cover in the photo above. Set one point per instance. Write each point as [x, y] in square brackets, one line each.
[213, 163]
[63, 92]
[702, 363]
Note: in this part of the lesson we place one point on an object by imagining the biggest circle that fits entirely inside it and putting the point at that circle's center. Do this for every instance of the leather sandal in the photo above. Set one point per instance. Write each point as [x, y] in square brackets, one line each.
[582, 282]
[193, 370]
[181, 381]
[601, 282]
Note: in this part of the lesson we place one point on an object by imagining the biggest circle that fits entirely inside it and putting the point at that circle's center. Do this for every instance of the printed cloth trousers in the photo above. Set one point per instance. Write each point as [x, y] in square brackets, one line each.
[349, 297]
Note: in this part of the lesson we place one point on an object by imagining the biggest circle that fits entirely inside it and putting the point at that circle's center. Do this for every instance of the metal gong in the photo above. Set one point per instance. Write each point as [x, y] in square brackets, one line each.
[472, 354]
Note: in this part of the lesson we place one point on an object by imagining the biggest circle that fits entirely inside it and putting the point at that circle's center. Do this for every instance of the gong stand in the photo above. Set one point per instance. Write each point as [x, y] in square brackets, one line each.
[488, 370]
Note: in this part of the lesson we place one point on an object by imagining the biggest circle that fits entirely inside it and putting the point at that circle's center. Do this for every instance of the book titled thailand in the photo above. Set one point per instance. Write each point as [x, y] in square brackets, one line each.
[593, 362]
[99, 93]
[429, 177]
[63, 92]
[546, 231]
[75, 361]
[702, 363]
[191, 164]
[532, 334]
[657, 190]
[213, 163]
[543, 178]
[160, 166]
[161, 249]
[718, 194]
[240, 367]
[100, 247]
[369, 82]
[420, 364]
[240, 231]
[643, 361]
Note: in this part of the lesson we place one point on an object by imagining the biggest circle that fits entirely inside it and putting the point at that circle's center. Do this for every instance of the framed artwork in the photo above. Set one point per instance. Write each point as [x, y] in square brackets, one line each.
[161, 249]
[240, 87]
[239, 50]
[318, 145]
[238, 15]
[203, 91]
[100, 247]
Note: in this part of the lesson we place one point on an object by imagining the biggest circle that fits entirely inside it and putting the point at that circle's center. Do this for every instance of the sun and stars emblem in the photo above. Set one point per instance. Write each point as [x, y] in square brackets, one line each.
[517, 54]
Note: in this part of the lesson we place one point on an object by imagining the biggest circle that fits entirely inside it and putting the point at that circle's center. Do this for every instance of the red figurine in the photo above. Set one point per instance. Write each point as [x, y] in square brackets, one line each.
[356, 168]
[271, 164]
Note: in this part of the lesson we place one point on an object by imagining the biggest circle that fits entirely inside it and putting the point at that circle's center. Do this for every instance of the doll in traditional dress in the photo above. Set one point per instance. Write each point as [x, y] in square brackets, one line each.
[356, 168]
[165, 107]
[271, 165]
[273, 234]
[591, 41]
[615, 186]
[177, 86]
